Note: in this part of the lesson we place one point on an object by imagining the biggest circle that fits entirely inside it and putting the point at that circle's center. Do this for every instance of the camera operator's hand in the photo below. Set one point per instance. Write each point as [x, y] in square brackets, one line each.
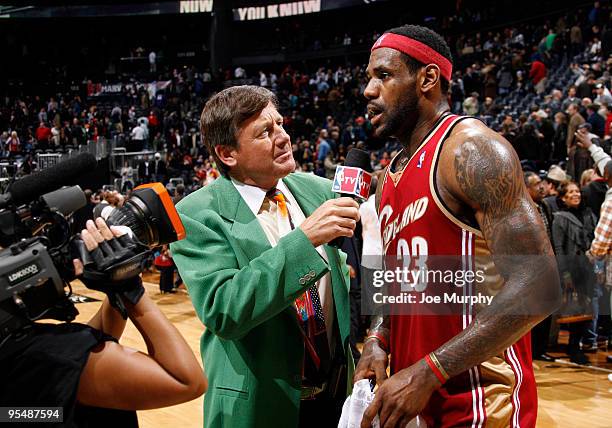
[116, 264]
[334, 218]
[94, 234]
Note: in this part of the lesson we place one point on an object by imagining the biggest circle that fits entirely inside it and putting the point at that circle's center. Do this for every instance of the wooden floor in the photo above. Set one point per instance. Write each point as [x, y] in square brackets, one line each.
[569, 396]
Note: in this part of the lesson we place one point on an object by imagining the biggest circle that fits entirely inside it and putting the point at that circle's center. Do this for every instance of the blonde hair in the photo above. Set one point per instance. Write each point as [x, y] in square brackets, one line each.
[586, 177]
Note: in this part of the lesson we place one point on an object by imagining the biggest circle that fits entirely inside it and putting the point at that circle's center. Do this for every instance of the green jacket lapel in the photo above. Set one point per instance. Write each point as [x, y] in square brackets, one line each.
[305, 197]
[245, 226]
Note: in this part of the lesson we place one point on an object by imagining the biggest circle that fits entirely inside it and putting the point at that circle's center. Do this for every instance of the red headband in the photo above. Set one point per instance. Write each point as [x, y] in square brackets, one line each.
[417, 50]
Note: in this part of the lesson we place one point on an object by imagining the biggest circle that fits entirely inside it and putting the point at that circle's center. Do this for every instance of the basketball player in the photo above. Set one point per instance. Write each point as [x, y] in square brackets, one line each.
[471, 368]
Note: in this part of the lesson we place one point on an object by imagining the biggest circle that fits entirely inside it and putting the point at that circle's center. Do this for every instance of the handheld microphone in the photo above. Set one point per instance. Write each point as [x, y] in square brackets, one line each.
[353, 179]
[64, 173]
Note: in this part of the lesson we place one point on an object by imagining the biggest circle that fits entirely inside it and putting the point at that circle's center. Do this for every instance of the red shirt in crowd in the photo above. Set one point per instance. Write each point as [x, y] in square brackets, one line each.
[537, 72]
[43, 133]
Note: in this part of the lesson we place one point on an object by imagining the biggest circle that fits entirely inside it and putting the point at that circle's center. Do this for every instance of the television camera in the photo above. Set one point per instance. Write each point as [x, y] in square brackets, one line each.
[38, 247]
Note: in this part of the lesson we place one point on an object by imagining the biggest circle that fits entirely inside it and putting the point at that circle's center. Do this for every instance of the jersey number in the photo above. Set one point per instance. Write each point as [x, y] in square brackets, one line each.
[413, 256]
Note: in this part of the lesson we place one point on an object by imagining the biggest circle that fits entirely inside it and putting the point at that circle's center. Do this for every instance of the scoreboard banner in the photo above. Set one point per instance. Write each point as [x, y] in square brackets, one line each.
[127, 9]
[243, 10]
[282, 10]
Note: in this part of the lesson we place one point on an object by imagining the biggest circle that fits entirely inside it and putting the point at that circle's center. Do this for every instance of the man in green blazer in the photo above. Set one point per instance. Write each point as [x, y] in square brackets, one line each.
[244, 273]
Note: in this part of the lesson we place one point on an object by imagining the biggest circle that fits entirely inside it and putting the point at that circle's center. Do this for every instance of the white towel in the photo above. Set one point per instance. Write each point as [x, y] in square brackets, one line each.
[355, 405]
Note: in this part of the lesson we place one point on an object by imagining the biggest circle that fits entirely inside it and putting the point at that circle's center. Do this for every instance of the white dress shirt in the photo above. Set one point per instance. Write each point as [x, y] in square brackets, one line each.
[254, 197]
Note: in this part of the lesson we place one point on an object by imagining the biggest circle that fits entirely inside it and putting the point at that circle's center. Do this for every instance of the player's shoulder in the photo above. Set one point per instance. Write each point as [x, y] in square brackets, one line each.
[470, 135]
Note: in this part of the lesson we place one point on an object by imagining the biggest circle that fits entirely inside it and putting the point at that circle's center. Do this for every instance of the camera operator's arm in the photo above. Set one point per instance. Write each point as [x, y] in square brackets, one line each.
[108, 320]
[122, 378]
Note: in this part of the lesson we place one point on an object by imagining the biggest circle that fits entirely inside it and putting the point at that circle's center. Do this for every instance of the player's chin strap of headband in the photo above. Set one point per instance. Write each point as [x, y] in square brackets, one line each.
[417, 50]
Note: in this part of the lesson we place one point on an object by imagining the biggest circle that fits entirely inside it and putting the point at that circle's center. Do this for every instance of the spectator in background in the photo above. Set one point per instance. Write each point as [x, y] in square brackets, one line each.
[77, 132]
[263, 79]
[586, 177]
[152, 62]
[145, 170]
[537, 74]
[570, 99]
[573, 231]
[575, 39]
[43, 134]
[323, 147]
[457, 92]
[608, 125]
[13, 144]
[330, 166]
[137, 138]
[559, 141]
[42, 115]
[553, 179]
[127, 177]
[527, 143]
[540, 333]
[471, 106]
[585, 89]
[546, 133]
[603, 95]
[159, 168]
[164, 263]
[577, 162]
[179, 193]
[596, 121]
[505, 79]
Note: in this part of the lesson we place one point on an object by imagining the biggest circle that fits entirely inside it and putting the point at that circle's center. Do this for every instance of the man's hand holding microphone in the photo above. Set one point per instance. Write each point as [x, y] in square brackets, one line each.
[335, 218]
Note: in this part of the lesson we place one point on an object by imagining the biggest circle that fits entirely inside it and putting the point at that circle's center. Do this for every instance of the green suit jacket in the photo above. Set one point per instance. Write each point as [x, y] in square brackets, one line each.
[243, 291]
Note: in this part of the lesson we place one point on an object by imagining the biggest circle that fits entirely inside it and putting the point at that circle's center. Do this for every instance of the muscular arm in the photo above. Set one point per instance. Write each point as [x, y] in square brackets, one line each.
[486, 175]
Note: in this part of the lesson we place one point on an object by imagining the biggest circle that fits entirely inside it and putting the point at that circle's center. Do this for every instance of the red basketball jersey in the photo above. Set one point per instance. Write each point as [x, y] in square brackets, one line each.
[415, 222]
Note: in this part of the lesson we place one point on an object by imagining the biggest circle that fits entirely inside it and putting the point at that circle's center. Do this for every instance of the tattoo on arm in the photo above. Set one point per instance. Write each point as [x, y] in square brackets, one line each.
[489, 176]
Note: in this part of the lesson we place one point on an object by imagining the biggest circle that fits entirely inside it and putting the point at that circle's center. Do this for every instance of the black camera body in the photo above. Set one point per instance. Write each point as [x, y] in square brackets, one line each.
[36, 263]
[31, 284]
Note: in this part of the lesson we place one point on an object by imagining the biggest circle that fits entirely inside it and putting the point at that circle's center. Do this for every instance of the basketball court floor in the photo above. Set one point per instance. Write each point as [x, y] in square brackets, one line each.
[569, 395]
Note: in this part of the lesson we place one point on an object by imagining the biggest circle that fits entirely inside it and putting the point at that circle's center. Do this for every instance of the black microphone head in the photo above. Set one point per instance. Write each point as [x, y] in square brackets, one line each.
[65, 173]
[358, 158]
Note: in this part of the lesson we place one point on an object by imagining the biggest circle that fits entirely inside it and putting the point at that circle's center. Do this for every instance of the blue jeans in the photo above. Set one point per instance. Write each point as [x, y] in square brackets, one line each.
[590, 335]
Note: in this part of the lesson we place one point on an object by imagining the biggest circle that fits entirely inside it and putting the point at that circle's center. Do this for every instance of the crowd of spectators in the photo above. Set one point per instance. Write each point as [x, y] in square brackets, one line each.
[324, 109]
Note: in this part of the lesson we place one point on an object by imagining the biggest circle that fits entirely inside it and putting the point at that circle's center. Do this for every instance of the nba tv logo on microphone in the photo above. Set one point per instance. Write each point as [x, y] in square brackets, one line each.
[352, 181]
